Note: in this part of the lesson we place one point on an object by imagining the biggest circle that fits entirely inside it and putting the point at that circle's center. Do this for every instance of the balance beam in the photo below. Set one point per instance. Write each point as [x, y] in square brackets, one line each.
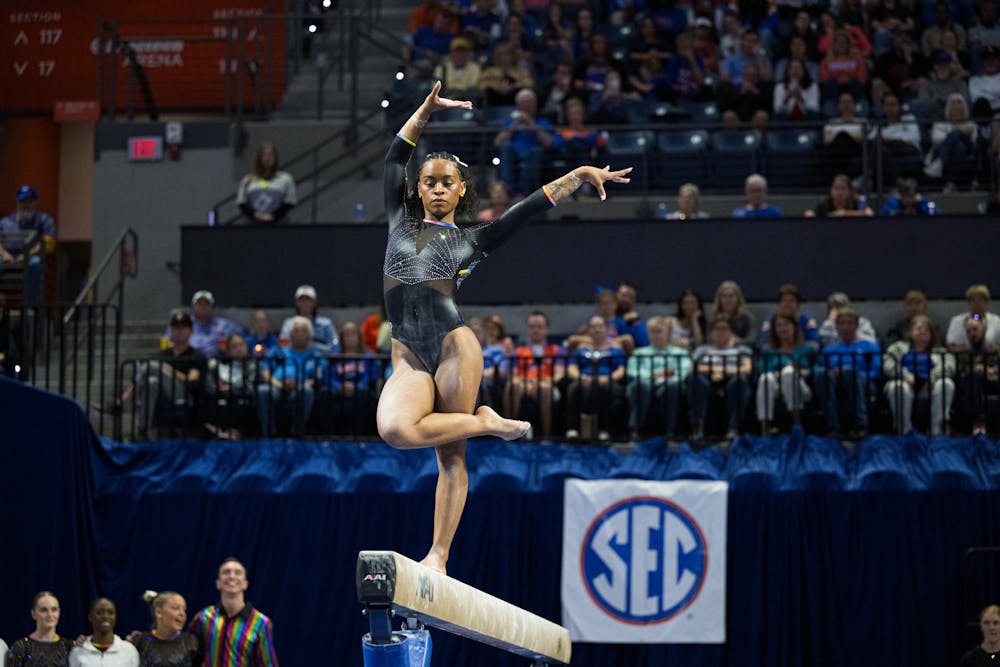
[388, 581]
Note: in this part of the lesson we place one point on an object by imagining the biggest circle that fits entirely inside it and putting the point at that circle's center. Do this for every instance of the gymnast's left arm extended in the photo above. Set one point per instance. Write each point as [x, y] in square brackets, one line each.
[566, 185]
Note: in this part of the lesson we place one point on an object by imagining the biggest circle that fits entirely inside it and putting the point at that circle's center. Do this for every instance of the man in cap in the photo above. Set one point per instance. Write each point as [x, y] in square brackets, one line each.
[459, 74]
[208, 330]
[176, 379]
[15, 252]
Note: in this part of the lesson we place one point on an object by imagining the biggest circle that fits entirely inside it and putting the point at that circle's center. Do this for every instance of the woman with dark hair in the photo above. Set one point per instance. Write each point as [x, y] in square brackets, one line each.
[689, 323]
[796, 97]
[783, 364]
[168, 643]
[919, 367]
[842, 201]
[103, 648]
[430, 399]
[266, 194]
[43, 647]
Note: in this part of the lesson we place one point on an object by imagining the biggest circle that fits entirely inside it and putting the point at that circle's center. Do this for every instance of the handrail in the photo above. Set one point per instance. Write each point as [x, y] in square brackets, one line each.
[128, 267]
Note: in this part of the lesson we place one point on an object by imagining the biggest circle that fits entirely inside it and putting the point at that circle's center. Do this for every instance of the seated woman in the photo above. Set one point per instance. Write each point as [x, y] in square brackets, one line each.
[43, 647]
[729, 303]
[577, 142]
[919, 367]
[347, 394]
[842, 201]
[796, 96]
[596, 390]
[720, 364]
[168, 644]
[103, 648]
[500, 81]
[232, 386]
[266, 194]
[688, 204]
[842, 70]
[689, 323]
[784, 365]
[324, 331]
[953, 144]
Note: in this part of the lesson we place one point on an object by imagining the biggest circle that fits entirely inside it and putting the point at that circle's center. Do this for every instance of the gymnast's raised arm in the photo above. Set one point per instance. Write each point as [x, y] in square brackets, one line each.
[566, 185]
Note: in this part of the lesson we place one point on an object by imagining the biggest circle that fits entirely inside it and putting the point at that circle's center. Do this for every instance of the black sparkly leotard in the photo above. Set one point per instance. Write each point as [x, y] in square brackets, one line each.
[425, 263]
[30, 652]
[182, 651]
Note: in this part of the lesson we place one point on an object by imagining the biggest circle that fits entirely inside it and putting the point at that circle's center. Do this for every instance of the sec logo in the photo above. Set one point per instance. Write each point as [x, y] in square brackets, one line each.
[644, 560]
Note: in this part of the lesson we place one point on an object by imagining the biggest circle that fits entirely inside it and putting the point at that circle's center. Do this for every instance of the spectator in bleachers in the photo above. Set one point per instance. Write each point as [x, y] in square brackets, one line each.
[26, 218]
[941, 83]
[688, 204]
[688, 326]
[797, 50]
[43, 647]
[841, 201]
[626, 315]
[984, 88]
[686, 72]
[501, 81]
[930, 39]
[102, 648]
[986, 30]
[828, 332]
[802, 32]
[732, 33]
[914, 303]
[577, 142]
[592, 68]
[499, 202]
[656, 372]
[830, 24]
[961, 64]
[901, 68]
[900, 137]
[725, 364]
[796, 95]
[610, 105]
[262, 339]
[885, 18]
[557, 30]
[649, 81]
[729, 303]
[648, 43]
[846, 372]
[529, 20]
[953, 143]
[977, 375]
[522, 141]
[988, 650]
[323, 329]
[850, 12]
[430, 44]
[483, 24]
[425, 14]
[560, 90]
[906, 200]
[347, 393]
[268, 193]
[175, 382]
[537, 373]
[596, 372]
[208, 331]
[733, 67]
[232, 382]
[918, 367]
[289, 380]
[584, 28]
[497, 347]
[705, 45]
[755, 189]
[978, 299]
[843, 137]
[459, 74]
[750, 97]
[520, 40]
[622, 12]
[842, 70]
[784, 364]
[790, 302]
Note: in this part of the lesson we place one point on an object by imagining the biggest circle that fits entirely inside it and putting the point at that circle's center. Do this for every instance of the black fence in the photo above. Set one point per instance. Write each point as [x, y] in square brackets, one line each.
[578, 397]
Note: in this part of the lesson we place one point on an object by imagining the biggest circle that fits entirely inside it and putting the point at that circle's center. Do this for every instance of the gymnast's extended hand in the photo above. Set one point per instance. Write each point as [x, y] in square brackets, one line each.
[433, 102]
[566, 185]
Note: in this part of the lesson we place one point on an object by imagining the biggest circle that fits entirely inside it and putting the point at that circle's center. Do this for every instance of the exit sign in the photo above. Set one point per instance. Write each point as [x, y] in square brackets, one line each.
[145, 148]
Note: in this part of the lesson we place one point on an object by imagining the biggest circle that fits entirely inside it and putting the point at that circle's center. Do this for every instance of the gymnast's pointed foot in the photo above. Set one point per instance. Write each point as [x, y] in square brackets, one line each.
[435, 561]
[508, 429]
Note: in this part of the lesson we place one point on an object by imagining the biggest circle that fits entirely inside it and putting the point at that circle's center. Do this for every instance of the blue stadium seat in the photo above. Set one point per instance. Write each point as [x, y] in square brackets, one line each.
[700, 111]
[736, 154]
[681, 157]
[791, 158]
[633, 149]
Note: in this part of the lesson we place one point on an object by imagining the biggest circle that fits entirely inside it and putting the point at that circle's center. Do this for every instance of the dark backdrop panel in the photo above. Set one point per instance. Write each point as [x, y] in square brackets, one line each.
[562, 262]
[833, 559]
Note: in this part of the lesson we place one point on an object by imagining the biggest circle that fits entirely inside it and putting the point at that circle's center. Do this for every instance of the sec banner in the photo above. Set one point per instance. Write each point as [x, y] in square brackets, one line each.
[644, 562]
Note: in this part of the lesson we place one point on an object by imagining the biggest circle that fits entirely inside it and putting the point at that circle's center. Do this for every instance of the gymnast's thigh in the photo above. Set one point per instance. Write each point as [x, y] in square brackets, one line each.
[408, 394]
[459, 372]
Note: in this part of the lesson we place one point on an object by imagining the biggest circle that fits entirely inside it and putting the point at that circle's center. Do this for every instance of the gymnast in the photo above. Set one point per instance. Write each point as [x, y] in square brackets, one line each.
[437, 362]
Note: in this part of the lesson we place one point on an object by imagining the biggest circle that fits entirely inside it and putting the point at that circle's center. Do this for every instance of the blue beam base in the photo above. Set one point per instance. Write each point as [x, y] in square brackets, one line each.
[409, 648]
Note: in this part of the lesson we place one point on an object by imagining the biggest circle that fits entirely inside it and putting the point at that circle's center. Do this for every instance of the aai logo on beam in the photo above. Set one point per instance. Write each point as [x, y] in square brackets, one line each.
[644, 560]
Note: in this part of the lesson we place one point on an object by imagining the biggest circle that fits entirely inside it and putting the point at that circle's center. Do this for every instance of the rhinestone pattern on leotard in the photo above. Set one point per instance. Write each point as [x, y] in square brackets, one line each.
[447, 254]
